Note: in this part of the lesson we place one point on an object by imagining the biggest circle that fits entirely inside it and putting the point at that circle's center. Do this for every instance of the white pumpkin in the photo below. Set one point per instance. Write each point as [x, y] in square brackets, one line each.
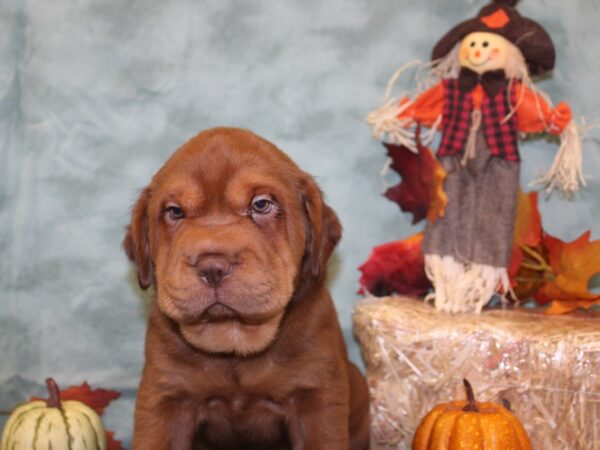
[52, 424]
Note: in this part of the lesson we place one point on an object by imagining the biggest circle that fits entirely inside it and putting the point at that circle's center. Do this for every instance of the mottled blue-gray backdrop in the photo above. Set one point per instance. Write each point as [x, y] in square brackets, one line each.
[95, 95]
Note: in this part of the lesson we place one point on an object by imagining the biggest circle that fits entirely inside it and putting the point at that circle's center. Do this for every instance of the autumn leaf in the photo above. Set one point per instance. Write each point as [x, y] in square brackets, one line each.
[112, 443]
[559, 307]
[98, 400]
[548, 269]
[573, 265]
[528, 222]
[527, 269]
[396, 267]
[421, 190]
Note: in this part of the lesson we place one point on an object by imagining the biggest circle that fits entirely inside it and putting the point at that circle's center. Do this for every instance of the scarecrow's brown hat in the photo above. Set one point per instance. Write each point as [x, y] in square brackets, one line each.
[502, 18]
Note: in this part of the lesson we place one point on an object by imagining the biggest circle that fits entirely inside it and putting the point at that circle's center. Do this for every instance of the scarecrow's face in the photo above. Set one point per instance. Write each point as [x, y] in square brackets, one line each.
[482, 52]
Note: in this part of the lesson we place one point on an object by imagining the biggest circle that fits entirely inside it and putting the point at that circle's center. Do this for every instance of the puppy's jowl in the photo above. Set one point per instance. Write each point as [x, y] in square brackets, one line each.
[243, 349]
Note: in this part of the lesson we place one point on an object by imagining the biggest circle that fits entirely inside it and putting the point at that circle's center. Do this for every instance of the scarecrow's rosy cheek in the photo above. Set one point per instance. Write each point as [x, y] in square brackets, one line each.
[495, 53]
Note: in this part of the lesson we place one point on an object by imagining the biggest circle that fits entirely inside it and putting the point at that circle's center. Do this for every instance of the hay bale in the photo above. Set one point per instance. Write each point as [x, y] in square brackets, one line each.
[547, 367]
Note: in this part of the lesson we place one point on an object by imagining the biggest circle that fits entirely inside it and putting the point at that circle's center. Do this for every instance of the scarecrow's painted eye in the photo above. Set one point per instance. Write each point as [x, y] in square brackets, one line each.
[486, 43]
[473, 44]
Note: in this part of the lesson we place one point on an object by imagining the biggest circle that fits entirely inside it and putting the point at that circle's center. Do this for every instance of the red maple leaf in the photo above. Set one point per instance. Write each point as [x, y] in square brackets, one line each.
[112, 443]
[421, 190]
[97, 399]
[396, 267]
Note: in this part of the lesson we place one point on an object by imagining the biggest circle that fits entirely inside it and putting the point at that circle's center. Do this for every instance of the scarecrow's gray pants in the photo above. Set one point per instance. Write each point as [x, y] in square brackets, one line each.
[479, 219]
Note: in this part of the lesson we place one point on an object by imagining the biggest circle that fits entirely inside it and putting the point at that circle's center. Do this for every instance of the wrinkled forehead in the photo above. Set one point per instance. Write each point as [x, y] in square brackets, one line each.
[220, 161]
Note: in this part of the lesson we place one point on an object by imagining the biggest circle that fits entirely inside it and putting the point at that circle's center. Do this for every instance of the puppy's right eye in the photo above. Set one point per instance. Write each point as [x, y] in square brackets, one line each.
[174, 212]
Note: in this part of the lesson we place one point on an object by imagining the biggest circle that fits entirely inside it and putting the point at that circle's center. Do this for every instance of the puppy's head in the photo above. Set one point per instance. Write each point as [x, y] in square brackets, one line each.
[227, 231]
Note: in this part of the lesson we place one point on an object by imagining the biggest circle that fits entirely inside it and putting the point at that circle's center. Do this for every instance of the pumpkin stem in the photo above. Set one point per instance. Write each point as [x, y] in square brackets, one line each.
[54, 400]
[470, 406]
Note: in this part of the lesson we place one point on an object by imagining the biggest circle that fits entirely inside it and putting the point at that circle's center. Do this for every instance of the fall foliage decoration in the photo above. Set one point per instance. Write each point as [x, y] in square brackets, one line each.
[546, 268]
[421, 190]
[55, 424]
[568, 271]
[542, 267]
[97, 399]
[396, 267]
[470, 425]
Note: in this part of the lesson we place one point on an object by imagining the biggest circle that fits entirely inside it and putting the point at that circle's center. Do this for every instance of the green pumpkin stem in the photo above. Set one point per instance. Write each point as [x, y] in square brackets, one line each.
[470, 406]
[54, 400]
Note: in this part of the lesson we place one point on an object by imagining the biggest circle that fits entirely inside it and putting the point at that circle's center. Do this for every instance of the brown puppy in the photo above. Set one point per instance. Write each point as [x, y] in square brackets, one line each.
[243, 350]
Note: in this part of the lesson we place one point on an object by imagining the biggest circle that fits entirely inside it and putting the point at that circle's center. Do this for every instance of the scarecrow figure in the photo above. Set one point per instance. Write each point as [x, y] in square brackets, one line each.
[481, 96]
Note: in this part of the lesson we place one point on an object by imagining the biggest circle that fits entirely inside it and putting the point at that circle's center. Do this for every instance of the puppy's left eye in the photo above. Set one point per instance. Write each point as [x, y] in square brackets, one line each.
[261, 205]
[174, 212]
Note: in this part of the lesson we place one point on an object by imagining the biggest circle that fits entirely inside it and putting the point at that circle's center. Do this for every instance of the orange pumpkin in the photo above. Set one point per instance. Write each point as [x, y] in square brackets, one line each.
[470, 425]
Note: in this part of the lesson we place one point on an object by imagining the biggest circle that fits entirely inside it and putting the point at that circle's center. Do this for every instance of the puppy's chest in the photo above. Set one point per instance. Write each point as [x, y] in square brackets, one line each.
[239, 420]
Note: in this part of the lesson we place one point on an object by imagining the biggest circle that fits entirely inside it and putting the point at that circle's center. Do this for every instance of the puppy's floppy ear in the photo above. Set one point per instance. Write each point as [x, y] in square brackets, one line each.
[137, 243]
[324, 228]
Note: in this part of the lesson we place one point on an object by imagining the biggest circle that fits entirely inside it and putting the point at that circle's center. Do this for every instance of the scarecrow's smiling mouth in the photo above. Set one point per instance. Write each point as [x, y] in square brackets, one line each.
[478, 63]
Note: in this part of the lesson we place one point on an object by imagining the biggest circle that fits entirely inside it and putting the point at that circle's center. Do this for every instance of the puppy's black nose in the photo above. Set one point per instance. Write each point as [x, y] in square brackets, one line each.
[213, 269]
